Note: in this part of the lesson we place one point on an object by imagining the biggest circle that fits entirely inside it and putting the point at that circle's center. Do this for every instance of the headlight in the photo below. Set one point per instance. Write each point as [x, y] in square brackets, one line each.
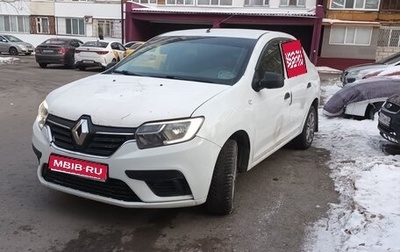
[165, 133]
[42, 114]
[22, 46]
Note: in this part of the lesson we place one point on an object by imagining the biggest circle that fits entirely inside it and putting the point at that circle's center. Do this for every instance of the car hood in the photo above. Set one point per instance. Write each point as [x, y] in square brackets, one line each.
[128, 101]
[23, 44]
[394, 99]
[365, 67]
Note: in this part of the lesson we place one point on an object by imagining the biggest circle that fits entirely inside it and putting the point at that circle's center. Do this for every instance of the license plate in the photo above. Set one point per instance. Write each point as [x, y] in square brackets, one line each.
[87, 61]
[78, 167]
[47, 51]
[384, 119]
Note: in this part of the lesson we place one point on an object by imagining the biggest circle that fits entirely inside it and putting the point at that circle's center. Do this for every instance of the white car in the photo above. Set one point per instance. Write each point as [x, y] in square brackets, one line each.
[173, 124]
[98, 53]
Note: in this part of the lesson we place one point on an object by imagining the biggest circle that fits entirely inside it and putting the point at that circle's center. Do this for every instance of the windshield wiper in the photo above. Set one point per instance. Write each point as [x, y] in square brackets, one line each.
[126, 72]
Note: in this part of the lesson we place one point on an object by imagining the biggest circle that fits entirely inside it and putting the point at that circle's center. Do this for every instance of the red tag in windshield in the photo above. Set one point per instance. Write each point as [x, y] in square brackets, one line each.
[294, 58]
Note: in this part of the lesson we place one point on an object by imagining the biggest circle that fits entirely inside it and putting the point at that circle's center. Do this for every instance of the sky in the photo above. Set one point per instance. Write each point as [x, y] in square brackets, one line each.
[367, 179]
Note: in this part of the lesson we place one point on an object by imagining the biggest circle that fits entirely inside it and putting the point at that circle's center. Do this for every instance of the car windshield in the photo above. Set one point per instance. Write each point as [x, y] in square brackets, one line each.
[96, 44]
[12, 38]
[218, 60]
[390, 60]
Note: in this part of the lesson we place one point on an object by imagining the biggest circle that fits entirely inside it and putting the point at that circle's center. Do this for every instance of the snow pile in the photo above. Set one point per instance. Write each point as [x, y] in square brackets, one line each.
[8, 60]
[368, 181]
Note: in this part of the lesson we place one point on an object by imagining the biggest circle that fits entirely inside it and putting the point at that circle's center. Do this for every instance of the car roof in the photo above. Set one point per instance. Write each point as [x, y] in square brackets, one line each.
[222, 32]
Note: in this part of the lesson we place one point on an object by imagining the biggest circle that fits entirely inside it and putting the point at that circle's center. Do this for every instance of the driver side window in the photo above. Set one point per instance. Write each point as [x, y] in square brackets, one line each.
[271, 59]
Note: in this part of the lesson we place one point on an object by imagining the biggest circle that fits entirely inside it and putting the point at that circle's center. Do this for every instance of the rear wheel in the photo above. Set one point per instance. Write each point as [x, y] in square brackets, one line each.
[13, 51]
[43, 65]
[82, 68]
[222, 189]
[305, 139]
[70, 64]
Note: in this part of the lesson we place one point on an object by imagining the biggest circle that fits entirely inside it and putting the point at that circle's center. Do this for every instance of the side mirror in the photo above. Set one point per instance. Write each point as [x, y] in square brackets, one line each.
[270, 80]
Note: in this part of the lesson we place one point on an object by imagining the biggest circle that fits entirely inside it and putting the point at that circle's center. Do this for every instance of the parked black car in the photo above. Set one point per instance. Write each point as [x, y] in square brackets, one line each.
[389, 119]
[57, 51]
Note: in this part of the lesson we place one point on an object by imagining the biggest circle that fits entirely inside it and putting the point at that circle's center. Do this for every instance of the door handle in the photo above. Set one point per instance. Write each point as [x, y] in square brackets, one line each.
[287, 96]
[309, 85]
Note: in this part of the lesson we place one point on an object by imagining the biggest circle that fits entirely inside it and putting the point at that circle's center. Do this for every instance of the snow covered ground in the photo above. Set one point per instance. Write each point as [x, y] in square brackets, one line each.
[367, 179]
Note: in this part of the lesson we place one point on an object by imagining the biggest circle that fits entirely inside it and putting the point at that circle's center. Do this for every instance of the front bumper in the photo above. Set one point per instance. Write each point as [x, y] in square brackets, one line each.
[137, 171]
[51, 59]
[391, 132]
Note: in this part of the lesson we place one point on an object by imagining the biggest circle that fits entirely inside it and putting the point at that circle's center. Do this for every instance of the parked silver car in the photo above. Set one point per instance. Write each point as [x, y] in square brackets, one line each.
[357, 72]
[14, 46]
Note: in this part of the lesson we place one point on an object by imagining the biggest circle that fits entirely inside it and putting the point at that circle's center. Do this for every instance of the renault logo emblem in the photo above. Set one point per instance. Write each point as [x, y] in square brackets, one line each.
[80, 131]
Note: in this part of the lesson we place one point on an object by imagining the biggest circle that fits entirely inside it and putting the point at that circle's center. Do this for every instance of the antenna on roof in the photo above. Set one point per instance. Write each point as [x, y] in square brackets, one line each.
[220, 22]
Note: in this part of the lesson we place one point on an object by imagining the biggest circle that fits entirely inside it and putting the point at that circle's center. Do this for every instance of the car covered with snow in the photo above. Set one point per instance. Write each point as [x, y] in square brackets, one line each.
[177, 133]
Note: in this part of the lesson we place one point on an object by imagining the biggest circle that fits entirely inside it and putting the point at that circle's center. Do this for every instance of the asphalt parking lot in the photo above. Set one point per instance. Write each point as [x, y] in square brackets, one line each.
[275, 201]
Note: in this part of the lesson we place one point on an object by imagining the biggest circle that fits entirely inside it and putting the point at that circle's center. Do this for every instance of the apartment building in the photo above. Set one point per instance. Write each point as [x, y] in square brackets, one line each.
[83, 19]
[359, 31]
[301, 18]
[86, 19]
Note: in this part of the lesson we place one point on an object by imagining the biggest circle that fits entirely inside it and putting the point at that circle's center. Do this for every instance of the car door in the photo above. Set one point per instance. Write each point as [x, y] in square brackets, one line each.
[271, 106]
[3, 44]
[298, 76]
[118, 50]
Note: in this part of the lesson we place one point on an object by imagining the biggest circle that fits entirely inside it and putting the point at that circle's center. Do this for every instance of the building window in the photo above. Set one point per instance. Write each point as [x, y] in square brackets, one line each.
[355, 4]
[146, 1]
[75, 26]
[256, 2]
[109, 28]
[42, 25]
[341, 35]
[215, 2]
[180, 2]
[14, 24]
[300, 3]
[391, 5]
[389, 37]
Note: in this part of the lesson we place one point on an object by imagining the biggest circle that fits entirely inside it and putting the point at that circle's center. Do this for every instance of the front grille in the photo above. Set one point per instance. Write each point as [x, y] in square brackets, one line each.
[100, 141]
[111, 188]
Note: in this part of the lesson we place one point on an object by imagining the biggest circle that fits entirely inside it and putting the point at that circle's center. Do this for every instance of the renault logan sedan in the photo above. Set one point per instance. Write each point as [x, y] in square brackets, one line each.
[173, 124]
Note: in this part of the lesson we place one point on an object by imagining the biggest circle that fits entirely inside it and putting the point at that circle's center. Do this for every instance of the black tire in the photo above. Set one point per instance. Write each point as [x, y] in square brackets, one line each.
[222, 189]
[43, 65]
[305, 139]
[372, 109]
[82, 68]
[70, 65]
[13, 51]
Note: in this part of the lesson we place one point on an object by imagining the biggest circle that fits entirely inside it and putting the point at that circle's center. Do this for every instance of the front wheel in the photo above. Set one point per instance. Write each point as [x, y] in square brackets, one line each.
[13, 51]
[222, 188]
[305, 139]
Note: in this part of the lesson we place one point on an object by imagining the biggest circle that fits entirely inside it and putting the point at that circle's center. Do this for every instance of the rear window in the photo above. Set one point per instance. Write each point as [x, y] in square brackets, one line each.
[55, 42]
[96, 44]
